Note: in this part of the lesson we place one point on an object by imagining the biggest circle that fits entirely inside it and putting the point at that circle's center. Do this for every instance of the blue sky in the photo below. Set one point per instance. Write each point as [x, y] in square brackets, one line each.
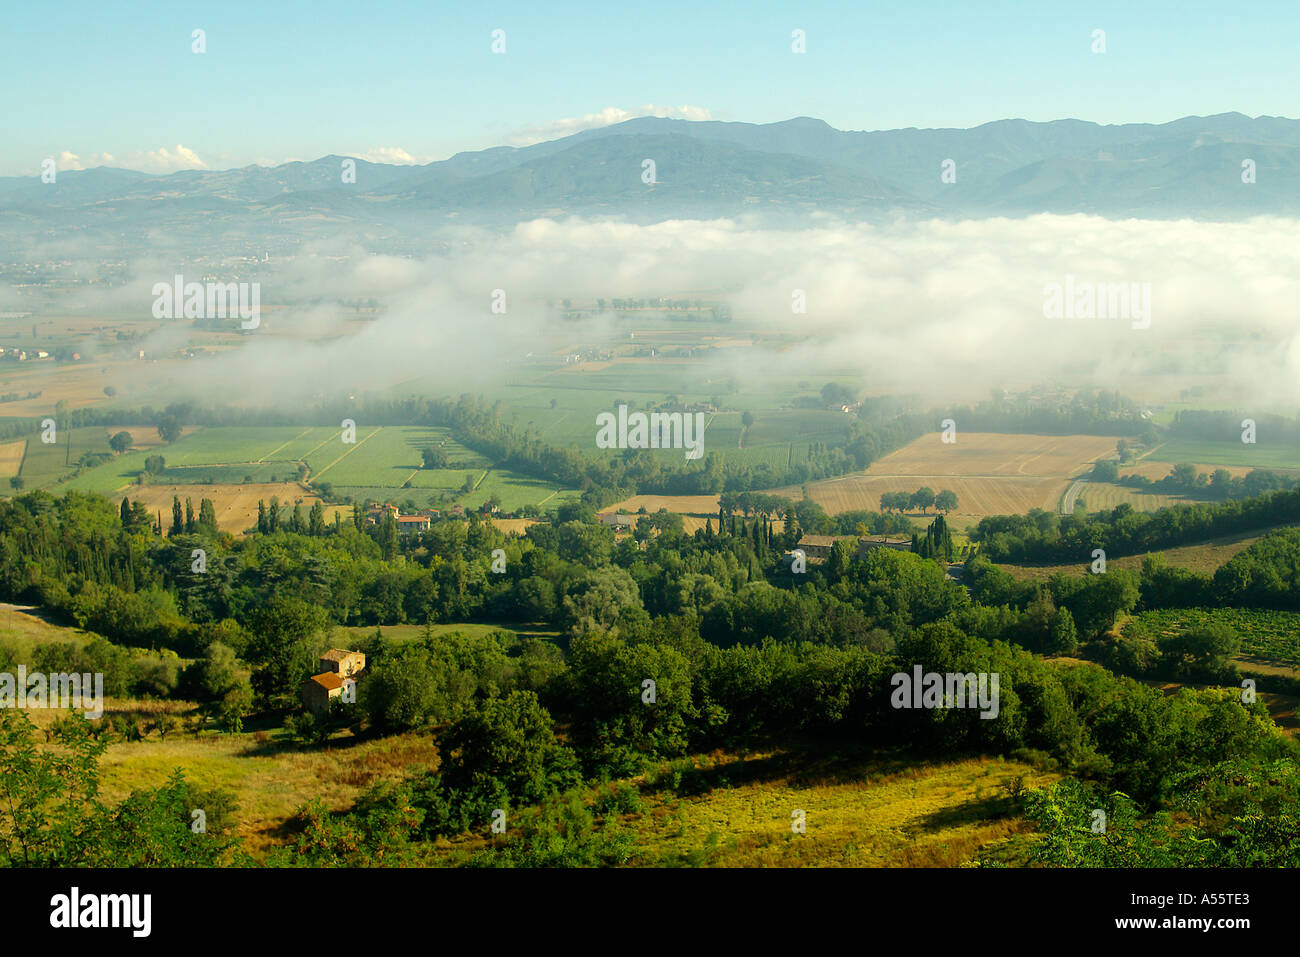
[298, 80]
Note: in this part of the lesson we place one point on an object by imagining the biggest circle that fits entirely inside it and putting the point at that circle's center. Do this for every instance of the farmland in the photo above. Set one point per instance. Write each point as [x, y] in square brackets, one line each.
[1103, 496]
[695, 510]
[1204, 558]
[701, 505]
[1155, 470]
[991, 474]
[1260, 455]
[228, 464]
[777, 438]
[45, 464]
[1271, 635]
[11, 457]
[236, 505]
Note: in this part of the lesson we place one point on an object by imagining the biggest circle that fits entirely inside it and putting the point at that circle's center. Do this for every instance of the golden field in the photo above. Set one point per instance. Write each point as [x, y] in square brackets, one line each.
[236, 505]
[991, 473]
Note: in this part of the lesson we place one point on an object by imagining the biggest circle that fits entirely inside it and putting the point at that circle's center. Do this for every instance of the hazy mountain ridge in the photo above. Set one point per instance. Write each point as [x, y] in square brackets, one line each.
[1188, 167]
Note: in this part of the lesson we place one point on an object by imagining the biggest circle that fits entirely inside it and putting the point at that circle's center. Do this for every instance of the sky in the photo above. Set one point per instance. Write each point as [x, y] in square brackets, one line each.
[118, 84]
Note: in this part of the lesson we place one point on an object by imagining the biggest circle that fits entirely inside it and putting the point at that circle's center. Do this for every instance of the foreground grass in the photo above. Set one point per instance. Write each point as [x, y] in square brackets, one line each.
[737, 811]
[27, 625]
[716, 810]
[269, 778]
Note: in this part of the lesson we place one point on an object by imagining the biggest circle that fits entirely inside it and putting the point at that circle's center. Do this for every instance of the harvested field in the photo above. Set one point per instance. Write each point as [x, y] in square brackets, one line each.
[80, 384]
[991, 473]
[11, 457]
[1103, 496]
[145, 436]
[976, 497]
[236, 504]
[513, 526]
[1203, 558]
[706, 505]
[995, 454]
[695, 510]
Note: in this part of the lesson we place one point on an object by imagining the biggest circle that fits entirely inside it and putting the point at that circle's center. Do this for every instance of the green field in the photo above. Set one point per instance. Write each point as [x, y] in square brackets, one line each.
[45, 465]
[229, 445]
[1261, 455]
[383, 464]
[778, 437]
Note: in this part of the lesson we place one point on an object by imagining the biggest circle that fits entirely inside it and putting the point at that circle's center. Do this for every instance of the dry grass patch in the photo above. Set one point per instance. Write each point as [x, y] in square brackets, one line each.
[864, 814]
[28, 623]
[1204, 558]
[269, 784]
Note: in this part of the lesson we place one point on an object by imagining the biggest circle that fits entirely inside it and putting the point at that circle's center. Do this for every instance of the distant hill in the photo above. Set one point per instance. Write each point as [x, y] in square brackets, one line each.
[1186, 168]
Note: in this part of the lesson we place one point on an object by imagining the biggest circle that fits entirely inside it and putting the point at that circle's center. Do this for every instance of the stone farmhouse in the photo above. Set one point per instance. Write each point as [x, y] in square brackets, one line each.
[337, 666]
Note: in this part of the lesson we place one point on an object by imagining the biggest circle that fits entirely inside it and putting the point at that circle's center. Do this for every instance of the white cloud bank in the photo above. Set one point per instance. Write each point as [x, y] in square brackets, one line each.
[948, 310]
[161, 160]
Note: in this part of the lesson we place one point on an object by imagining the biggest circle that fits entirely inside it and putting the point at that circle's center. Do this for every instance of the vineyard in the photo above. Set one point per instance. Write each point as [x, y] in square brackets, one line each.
[1274, 635]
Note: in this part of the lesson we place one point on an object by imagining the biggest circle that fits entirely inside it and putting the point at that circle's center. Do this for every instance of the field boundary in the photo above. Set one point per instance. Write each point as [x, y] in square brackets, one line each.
[378, 429]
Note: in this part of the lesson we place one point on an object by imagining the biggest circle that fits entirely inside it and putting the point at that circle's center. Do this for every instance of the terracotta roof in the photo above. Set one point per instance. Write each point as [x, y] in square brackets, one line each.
[338, 654]
[329, 680]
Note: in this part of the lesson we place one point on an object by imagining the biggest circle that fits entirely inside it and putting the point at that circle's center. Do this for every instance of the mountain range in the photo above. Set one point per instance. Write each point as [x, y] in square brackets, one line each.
[1190, 167]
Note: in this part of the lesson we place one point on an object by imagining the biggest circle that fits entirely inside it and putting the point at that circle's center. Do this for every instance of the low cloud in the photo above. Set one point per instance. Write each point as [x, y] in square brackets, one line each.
[392, 155]
[161, 160]
[947, 310]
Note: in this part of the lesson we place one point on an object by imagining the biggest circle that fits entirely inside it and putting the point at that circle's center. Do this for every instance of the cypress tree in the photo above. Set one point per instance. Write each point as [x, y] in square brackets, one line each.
[316, 520]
